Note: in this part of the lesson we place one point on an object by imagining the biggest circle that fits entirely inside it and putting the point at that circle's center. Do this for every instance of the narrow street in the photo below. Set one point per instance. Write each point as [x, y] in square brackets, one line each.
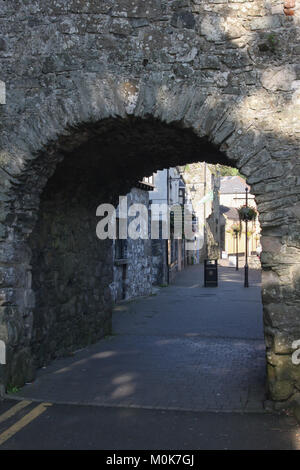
[184, 368]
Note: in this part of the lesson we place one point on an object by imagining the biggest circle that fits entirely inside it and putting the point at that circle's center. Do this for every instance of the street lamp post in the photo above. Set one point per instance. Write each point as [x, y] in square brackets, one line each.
[237, 251]
[246, 283]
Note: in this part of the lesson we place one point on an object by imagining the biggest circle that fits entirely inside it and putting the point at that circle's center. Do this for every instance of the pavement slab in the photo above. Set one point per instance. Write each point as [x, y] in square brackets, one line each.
[185, 348]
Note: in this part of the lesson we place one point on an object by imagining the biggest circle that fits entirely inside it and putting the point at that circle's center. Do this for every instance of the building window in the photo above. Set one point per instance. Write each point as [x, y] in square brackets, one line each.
[181, 196]
[194, 223]
[149, 179]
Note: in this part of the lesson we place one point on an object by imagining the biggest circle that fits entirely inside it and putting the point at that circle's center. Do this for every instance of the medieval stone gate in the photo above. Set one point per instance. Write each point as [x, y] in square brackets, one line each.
[168, 82]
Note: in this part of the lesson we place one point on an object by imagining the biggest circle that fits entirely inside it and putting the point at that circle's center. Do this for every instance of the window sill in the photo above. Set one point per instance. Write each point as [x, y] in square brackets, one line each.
[119, 262]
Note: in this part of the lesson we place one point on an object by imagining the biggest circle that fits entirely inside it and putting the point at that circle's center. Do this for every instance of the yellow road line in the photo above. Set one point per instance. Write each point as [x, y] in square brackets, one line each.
[13, 410]
[33, 414]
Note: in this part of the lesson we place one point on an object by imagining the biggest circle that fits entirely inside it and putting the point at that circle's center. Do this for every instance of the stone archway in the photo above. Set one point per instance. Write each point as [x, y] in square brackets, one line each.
[240, 106]
[83, 165]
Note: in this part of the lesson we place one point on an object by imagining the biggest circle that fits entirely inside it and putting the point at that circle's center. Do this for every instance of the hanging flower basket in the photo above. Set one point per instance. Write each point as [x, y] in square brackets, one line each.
[247, 213]
[235, 230]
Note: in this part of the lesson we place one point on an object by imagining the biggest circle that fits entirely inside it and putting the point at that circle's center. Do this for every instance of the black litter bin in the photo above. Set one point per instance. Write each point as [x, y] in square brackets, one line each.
[210, 273]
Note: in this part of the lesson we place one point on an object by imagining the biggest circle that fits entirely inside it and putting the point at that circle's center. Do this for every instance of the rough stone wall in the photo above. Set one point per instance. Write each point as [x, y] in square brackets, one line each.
[226, 72]
[71, 271]
[137, 279]
[139, 270]
[117, 286]
[159, 262]
[213, 222]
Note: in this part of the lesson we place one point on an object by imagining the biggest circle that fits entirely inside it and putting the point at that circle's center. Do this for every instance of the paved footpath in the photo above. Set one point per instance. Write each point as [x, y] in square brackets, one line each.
[184, 368]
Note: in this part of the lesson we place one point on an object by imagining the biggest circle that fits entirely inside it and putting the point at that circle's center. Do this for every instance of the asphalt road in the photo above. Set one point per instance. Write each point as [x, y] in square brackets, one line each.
[103, 428]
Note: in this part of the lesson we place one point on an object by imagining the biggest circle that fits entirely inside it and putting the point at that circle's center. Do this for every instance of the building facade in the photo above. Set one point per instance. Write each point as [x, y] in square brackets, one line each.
[169, 254]
[202, 198]
[232, 230]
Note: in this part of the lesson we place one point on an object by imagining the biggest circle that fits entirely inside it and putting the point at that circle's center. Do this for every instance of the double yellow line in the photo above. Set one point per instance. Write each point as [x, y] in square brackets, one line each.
[33, 414]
